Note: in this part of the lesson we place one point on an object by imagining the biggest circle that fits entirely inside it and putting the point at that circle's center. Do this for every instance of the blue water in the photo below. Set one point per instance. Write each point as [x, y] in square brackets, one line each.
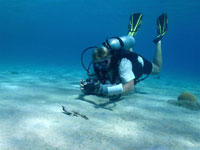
[40, 46]
[56, 31]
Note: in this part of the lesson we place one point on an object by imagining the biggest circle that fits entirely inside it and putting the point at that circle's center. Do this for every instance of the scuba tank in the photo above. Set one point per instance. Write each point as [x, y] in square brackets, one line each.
[123, 42]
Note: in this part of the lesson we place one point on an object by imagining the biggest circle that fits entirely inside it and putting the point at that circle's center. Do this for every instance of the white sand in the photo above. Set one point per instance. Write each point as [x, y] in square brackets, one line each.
[31, 116]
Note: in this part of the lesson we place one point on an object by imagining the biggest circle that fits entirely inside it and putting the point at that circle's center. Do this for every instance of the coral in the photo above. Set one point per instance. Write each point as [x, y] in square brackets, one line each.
[187, 96]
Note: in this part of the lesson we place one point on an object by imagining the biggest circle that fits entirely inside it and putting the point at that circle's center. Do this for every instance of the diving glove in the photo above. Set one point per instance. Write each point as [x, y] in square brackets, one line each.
[162, 27]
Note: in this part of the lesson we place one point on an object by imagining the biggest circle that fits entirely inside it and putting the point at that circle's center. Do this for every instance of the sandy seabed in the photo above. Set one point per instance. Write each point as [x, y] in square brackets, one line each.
[31, 115]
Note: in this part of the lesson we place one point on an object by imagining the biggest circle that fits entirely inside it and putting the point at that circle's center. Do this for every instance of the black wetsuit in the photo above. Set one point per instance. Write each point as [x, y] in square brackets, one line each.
[117, 55]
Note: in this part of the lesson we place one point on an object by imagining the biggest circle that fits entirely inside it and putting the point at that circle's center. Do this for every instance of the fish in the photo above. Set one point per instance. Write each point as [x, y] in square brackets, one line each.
[65, 111]
[74, 113]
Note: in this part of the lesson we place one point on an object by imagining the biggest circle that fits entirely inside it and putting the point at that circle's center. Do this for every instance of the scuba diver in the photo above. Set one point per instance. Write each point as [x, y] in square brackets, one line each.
[117, 69]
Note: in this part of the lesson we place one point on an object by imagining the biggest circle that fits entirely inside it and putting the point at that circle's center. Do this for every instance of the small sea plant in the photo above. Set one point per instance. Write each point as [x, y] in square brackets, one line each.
[187, 96]
[189, 101]
[186, 100]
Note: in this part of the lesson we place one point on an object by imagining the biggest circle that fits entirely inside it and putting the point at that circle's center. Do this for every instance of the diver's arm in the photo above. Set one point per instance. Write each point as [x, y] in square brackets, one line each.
[116, 89]
[96, 88]
[127, 84]
[128, 87]
[127, 75]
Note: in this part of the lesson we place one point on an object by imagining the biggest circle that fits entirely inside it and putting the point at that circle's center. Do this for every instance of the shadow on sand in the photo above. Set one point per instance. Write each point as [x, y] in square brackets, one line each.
[109, 105]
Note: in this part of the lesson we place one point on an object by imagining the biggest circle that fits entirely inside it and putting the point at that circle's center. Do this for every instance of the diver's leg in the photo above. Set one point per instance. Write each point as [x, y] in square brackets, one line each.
[157, 60]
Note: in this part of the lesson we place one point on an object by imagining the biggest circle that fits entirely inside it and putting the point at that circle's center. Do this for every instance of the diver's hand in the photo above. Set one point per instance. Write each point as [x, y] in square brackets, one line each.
[90, 86]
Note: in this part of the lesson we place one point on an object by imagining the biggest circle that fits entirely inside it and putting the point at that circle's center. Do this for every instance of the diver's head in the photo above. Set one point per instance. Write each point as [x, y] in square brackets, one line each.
[101, 58]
